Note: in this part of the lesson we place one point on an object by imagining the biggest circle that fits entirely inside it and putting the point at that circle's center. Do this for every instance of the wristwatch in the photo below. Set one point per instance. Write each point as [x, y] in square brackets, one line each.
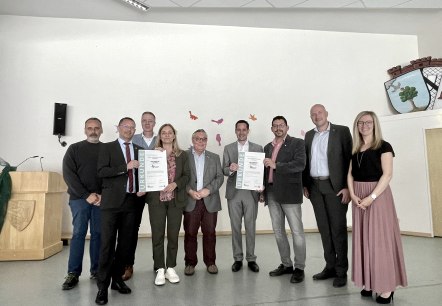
[373, 196]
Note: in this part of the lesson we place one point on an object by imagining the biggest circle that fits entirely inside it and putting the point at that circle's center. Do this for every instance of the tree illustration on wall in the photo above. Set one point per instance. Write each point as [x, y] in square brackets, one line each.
[407, 94]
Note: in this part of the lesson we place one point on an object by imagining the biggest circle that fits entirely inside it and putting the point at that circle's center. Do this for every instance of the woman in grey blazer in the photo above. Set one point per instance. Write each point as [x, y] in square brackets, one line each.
[168, 204]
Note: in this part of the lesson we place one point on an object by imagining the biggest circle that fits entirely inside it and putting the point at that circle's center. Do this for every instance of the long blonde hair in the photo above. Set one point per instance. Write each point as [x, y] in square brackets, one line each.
[175, 147]
[358, 142]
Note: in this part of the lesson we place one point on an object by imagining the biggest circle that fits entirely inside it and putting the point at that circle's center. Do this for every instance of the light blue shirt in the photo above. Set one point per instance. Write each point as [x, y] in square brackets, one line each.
[319, 161]
[132, 156]
[199, 165]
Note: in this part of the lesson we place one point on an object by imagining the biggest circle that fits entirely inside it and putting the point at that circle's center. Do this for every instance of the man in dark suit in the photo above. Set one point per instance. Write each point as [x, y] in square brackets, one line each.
[284, 163]
[206, 177]
[147, 140]
[328, 149]
[241, 203]
[117, 166]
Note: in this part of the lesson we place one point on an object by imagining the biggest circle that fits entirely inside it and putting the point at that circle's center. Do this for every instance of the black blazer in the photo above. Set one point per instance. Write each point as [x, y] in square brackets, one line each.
[182, 176]
[287, 177]
[338, 155]
[112, 168]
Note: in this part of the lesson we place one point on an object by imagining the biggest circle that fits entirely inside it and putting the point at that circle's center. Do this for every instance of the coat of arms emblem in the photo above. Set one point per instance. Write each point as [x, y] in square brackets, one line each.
[416, 87]
[20, 213]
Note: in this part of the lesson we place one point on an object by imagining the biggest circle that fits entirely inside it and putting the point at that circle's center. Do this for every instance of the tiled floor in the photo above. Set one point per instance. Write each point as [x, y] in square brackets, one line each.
[39, 282]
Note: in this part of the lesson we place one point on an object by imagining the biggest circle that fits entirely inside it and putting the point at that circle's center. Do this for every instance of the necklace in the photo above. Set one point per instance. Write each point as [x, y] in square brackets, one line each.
[359, 160]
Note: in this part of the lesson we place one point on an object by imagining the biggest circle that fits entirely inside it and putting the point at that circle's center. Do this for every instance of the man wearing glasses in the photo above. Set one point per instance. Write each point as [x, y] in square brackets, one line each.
[146, 140]
[117, 166]
[206, 177]
[284, 163]
[328, 148]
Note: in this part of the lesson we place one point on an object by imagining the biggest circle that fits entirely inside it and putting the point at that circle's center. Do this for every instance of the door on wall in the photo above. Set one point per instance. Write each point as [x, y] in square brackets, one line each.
[434, 155]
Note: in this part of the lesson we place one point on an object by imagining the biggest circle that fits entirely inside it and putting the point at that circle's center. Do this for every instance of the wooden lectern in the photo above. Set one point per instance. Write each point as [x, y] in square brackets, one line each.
[32, 228]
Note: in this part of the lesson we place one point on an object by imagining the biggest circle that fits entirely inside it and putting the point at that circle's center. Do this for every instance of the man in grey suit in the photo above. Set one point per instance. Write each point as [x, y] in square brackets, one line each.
[146, 141]
[284, 163]
[241, 203]
[328, 149]
[206, 177]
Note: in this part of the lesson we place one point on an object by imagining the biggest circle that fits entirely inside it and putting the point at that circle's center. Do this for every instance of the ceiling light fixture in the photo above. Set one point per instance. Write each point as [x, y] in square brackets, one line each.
[137, 4]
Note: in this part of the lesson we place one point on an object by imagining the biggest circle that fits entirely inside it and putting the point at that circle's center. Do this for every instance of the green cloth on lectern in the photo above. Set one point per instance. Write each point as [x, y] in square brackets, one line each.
[5, 193]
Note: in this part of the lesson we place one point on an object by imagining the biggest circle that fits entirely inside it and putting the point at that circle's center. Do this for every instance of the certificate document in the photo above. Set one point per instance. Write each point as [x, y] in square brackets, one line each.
[152, 173]
[250, 170]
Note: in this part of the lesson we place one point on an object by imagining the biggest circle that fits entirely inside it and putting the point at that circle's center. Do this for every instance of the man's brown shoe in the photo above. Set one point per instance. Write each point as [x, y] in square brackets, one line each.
[212, 269]
[189, 270]
[129, 270]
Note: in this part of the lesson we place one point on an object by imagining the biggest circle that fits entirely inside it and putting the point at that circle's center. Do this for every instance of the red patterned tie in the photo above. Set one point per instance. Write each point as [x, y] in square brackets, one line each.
[129, 172]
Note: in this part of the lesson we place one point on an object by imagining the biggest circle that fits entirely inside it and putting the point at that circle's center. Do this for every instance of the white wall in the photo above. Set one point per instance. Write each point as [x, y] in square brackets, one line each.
[429, 42]
[114, 69]
[410, 184]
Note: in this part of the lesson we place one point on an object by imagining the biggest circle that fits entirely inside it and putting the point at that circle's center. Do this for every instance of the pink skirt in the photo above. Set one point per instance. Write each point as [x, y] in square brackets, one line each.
[377, 257]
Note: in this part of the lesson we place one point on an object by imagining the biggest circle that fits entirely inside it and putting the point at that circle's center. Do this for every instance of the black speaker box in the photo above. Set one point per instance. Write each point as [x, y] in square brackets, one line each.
[59, 119]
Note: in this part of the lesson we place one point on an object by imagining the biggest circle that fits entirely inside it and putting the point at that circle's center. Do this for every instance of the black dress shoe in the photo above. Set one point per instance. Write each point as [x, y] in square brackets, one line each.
[253, 266]
[366, 293]
[325, 274]
[297, 276]
[120, 286]
[101, 297]
[340, 281]
[237, 265]
[381, 300]
[281, 270]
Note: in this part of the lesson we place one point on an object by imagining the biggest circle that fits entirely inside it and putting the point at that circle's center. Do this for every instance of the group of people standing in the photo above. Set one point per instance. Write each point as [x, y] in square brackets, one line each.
[329, 167]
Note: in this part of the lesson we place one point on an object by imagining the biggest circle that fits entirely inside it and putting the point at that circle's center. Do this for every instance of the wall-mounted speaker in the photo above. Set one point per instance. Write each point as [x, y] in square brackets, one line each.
[59, 119]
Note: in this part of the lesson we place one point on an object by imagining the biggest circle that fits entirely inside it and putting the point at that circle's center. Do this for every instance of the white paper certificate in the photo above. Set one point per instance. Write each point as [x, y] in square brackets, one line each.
[152, 173]
[250, 170]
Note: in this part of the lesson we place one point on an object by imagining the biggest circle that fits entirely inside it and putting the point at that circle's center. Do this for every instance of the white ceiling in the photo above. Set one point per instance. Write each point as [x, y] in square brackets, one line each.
[294, 3]
[117, 9]
[185, 10]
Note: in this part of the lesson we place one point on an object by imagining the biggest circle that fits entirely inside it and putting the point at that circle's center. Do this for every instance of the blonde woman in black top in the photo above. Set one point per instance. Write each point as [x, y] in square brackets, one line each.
[377, 257]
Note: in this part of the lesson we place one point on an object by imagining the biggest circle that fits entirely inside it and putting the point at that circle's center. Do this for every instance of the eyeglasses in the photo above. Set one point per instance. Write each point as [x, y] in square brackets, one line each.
[127, 127]
[197, 139]
[280, 126]
[367, 123]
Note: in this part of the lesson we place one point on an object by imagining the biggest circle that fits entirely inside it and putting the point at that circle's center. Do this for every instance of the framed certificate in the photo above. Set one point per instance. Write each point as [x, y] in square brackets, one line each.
[152, 173]
[250, 170]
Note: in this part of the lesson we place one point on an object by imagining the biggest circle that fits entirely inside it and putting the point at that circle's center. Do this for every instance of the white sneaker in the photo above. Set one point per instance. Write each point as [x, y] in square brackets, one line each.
[172, 276]
[160, 280]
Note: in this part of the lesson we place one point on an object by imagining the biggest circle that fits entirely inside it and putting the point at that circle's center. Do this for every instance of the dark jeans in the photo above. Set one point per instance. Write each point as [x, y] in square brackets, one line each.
[192, 222]
[84, 214]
